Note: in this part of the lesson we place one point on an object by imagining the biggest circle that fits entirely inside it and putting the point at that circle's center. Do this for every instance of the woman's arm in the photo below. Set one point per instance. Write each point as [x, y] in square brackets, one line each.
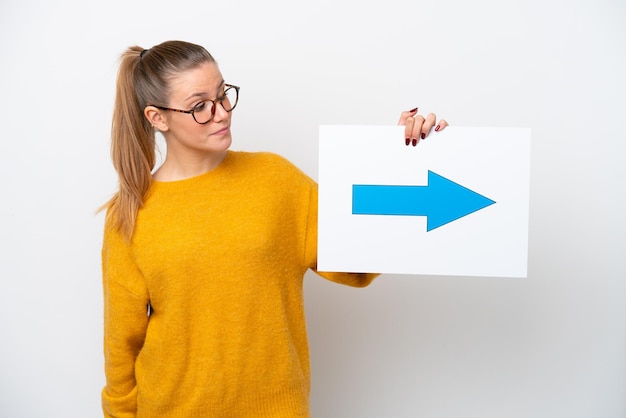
[125, 324]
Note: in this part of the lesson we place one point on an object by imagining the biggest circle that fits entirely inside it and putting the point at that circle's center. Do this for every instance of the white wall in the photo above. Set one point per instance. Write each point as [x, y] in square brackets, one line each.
[552, 345]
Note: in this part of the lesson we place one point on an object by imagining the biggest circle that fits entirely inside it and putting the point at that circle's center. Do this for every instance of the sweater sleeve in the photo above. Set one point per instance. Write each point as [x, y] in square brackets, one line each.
[125, 323]
[350, 279]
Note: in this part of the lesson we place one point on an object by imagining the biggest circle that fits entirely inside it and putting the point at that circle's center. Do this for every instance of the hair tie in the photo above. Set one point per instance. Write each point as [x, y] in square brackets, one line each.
[142, 53]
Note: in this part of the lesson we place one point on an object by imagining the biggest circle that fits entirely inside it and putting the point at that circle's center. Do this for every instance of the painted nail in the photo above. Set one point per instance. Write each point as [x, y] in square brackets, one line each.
[437, 128]
[408, 141]
[423, 135]
[413, 110]
[414, 141]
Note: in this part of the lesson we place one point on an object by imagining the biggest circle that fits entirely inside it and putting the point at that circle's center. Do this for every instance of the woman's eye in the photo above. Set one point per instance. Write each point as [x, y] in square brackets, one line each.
[199, 107]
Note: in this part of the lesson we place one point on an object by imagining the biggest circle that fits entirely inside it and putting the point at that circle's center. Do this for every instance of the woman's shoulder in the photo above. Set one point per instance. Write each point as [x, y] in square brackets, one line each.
[265, 160]
[260, 157]
[270, 164]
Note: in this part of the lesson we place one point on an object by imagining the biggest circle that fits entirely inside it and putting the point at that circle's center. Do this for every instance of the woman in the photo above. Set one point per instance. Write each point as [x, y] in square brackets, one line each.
[203, 259]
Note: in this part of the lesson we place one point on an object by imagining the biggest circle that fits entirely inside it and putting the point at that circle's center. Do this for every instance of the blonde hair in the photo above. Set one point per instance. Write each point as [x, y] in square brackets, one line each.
[143, 79]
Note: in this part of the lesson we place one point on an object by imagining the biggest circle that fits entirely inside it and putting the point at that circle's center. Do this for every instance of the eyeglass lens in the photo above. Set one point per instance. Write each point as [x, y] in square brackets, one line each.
[204, 112]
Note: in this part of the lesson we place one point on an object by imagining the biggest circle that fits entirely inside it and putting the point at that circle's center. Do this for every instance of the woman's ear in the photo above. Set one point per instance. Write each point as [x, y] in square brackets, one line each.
[156, 118]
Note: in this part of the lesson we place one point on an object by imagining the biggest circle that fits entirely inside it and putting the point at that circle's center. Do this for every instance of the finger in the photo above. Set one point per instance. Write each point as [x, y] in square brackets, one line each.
[408, 130]
[416, 132]
[441, 125]
[404, 116]
[429, 122]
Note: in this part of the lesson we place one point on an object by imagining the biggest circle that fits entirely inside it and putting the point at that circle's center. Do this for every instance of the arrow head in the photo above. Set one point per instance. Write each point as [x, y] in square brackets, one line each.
[451, 201]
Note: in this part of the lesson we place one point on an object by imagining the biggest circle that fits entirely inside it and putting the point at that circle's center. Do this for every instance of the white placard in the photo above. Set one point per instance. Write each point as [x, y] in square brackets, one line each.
[390, 208]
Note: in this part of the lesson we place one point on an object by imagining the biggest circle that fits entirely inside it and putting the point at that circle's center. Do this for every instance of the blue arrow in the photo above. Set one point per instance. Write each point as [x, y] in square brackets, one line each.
[441, 201]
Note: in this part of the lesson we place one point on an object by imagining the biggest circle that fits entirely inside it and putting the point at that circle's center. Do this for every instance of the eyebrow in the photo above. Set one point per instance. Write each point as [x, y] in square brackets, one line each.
[203, 95]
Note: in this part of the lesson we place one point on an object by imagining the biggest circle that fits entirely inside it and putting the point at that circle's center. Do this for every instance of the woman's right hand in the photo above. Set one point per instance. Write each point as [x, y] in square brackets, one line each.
[418, 127]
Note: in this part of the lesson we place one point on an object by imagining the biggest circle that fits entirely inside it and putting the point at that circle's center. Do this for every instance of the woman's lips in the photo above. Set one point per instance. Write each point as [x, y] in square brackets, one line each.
[222, 131]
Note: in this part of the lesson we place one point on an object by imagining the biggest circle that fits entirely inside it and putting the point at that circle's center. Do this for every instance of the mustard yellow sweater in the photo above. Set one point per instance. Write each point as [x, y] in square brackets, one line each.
[220, 259]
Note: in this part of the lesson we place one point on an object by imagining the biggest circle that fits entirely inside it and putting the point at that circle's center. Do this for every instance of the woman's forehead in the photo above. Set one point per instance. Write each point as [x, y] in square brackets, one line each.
[205, 79]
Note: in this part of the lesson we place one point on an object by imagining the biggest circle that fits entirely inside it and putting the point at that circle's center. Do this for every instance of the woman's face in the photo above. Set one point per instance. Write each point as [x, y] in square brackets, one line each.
[191, 90]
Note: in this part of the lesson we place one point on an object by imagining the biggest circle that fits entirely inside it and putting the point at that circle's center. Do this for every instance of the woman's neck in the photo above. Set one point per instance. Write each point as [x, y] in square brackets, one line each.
[176, 168]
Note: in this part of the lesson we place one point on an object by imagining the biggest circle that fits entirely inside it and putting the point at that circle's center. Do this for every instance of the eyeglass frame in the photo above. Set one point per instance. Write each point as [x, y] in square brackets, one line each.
[215, 101]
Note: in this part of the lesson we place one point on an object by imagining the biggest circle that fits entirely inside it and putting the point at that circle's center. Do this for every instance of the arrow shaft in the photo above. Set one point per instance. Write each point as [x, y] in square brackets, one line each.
[390, 200]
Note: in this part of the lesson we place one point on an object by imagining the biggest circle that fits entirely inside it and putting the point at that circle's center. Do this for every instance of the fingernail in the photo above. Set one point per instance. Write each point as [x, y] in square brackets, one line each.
[437, 128]
[408, 141]
[414, 141]
[423, 135]
[413, 110]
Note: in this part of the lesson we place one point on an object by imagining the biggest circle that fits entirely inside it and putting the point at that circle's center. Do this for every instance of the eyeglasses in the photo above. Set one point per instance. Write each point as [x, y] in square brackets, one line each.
[204, 111]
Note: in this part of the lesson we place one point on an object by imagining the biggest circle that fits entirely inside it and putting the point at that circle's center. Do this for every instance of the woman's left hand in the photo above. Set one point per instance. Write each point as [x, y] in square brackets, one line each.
[418, 127]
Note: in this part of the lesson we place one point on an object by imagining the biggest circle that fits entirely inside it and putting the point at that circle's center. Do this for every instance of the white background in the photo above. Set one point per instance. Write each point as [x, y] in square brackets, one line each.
[551, 345]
